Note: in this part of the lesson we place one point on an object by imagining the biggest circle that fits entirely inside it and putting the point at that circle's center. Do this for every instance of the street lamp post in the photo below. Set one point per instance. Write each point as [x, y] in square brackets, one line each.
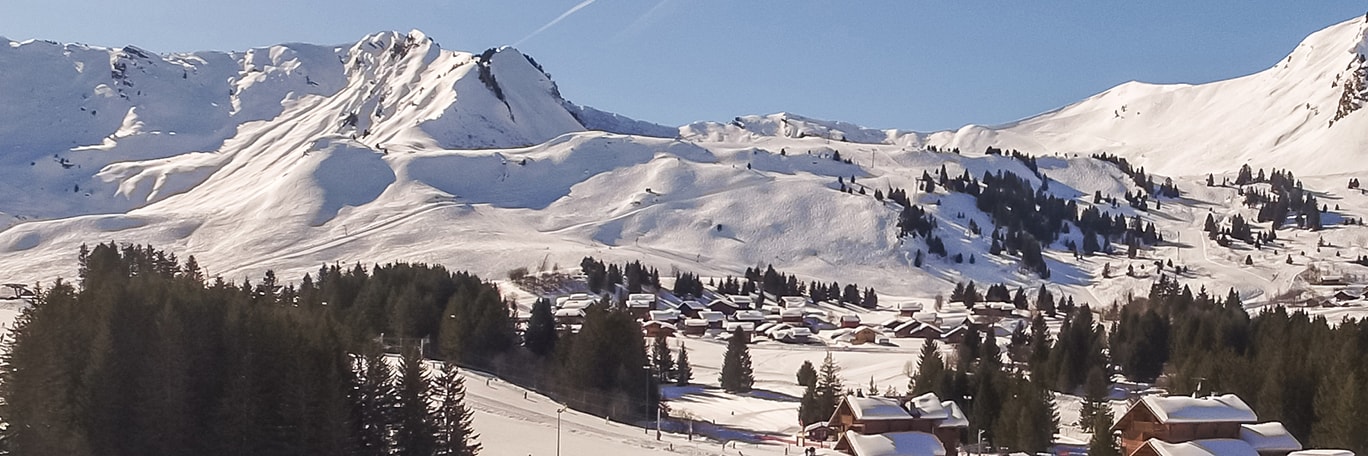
[559, 411]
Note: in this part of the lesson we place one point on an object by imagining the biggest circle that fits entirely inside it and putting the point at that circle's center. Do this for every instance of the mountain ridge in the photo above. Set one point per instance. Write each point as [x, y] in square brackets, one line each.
[394, 149]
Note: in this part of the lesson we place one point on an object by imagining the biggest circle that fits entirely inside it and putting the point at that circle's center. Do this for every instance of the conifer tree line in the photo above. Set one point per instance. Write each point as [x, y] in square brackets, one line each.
[777, 283]
[1310, 372]
[1015, 411]
[601, 277]
[1029, 219]
[143, 357]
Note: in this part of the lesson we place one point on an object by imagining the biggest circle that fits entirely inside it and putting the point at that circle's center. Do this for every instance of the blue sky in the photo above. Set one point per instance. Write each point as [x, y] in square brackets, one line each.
[912, 64]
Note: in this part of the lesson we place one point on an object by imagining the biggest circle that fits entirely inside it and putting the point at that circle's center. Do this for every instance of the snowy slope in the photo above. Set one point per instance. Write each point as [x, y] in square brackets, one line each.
[1283, 117]
[392, 149]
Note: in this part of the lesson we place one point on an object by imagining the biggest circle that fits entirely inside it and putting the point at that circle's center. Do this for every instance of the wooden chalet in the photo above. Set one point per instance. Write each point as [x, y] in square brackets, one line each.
[695, 327]
[1208, 447]
[909, 309]
[861, 417]
[655, 329]
[917, 330]
[1269, 439]
[891, 444]
[956, 335]
[850, 321]
[1179, 419]
[570, 316]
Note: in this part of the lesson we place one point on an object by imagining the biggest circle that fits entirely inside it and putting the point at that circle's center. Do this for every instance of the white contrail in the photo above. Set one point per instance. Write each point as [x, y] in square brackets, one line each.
[641, 21]
[548, 25]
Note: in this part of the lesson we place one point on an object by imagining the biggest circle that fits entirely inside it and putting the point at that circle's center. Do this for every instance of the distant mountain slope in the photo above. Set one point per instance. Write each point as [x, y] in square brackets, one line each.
[1301, 114]
[390, 149]
[99, 130]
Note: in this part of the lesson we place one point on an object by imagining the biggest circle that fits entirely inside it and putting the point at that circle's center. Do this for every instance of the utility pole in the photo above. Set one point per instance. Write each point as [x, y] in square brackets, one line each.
[558, 428]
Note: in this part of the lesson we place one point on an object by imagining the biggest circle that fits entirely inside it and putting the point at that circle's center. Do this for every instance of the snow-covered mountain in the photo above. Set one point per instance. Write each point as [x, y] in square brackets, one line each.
[394, 149]
[1302, 114]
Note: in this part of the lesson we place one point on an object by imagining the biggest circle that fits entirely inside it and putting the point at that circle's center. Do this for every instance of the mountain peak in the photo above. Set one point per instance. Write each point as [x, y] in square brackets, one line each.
[1306, 105]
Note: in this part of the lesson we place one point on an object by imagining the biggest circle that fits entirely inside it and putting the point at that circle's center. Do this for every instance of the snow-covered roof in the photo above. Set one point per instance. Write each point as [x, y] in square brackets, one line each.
[956, 418]
[1270, 436]
[927, 406]
[1321, 453]
[741, 299]
[691, 304]
[570, 313]
[661, 324]
[745, 326]
[800, 332]
[640, 304]
[911, 325]
[749, 315]
[876, 408]
[895, 444]
[576, 303]
[664, 315]
[695, 322]
[910, 306]
[792, 312]
[710, 315]
[641, 297]
[1225, 408]
[794, 301]
[851, 317]
[1208, 447]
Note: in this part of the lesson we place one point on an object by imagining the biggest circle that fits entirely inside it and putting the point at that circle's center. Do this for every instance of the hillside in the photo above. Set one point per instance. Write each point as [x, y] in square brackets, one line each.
[393, 148]
[1301, 114]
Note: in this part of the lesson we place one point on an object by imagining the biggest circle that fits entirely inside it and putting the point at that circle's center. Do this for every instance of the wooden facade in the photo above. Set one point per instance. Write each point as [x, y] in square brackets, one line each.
[1140, 424]
[845, 419]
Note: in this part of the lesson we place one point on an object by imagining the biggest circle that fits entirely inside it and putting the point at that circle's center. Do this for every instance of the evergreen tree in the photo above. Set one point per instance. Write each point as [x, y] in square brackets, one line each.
[540, 336]
[683, 370]
[807, 375]
[930, 370]
[1102, 443]
[829, 386]
[455, 435]
[376, 401]
[737, 375]
[1095, 400]
[415, 430]
[662, 362]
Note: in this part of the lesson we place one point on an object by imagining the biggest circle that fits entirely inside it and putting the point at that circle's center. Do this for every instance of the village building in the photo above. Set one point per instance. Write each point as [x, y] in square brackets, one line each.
[747, 328]
[956, 335]
[691, 308]
[570, 316]
[1269, 439]
[640, 309]
[723, 306]
[1178, 419]
[794, 316]
[909, 309]
[858, 418]
[793, 302]
[741, 302]
[850, 321]
[994, 309]
[654, 329]
[754, 317]
[917, 330]
[1209, 447]
[891, 444]
[695, 327]
[665, 316]
[713, 318]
